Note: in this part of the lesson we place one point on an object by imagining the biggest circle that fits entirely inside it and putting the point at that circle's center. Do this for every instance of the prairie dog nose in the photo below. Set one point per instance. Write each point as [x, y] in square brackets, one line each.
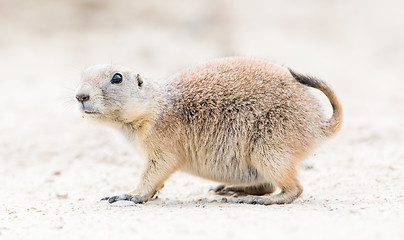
[82, 97]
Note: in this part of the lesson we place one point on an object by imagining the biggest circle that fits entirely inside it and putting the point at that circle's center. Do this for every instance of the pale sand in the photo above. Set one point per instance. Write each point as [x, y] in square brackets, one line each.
[55, 166]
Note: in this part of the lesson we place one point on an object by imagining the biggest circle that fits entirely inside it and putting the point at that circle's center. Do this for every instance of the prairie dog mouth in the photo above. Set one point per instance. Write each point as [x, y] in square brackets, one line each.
[90, 112]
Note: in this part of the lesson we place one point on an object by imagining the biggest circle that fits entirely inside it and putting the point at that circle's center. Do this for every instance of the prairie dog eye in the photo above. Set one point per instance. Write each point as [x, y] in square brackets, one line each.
[117, 78]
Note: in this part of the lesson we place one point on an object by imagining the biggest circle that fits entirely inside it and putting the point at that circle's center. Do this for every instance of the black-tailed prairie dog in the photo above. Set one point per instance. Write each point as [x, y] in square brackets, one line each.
[243, 122]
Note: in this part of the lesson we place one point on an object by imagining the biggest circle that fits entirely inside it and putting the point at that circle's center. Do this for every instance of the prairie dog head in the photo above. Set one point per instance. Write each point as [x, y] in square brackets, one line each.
[111, 93]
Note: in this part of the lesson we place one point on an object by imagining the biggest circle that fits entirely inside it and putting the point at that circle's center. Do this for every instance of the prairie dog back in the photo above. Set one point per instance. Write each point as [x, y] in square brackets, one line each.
[243, 122]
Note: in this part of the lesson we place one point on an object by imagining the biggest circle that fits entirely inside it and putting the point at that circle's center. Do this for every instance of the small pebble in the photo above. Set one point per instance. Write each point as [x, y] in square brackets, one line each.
[122, 203]
[62, 196]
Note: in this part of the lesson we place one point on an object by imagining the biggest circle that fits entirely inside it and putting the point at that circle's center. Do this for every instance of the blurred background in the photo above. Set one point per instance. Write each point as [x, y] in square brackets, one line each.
[46, 149]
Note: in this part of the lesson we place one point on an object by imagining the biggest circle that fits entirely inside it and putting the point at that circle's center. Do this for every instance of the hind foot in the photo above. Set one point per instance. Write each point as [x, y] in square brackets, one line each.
[261, 189]
[286, 196]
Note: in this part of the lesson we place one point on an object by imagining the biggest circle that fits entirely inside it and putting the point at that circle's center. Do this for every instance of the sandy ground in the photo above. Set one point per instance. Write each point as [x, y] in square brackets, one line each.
[55, 166]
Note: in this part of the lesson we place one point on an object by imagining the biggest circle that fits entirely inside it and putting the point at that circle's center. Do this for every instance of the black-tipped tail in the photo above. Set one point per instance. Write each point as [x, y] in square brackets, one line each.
[335, 122]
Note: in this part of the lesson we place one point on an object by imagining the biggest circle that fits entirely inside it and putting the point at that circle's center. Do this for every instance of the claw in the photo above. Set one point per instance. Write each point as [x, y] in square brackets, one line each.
[252, 200]
[217, 189]
[136, 199]
[113, 199]
[117, 198]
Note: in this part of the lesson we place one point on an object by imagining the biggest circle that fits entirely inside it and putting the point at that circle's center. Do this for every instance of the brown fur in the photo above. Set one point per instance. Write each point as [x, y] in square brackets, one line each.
[239, 121]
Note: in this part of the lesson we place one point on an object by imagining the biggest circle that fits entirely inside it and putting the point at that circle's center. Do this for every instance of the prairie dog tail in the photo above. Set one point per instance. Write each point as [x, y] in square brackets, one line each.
[335, 122]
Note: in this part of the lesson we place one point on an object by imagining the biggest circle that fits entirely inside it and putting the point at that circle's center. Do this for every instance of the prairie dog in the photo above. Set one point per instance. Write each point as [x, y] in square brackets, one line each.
[242, 122]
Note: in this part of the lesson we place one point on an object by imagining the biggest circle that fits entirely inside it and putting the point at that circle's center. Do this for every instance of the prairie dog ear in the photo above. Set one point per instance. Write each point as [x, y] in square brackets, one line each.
[139, 80]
